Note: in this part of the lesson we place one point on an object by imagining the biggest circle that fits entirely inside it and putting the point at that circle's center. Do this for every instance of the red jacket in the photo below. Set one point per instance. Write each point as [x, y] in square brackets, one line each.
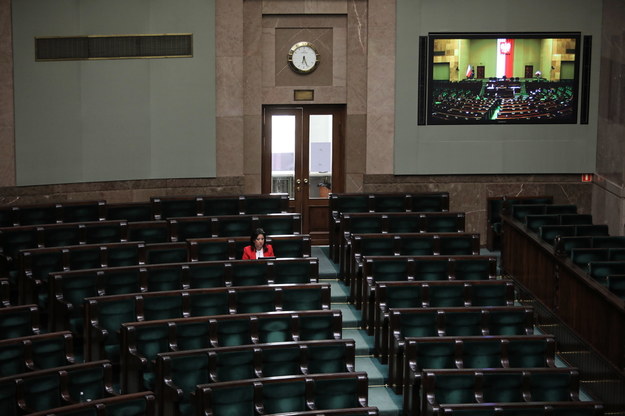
[249, 253]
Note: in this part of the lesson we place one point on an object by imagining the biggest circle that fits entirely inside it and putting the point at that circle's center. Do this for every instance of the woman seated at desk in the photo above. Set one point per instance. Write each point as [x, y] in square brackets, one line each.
[257, 248]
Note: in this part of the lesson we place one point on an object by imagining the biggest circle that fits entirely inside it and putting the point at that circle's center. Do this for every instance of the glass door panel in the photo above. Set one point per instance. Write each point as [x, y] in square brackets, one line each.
[283, 154]
[320, 130]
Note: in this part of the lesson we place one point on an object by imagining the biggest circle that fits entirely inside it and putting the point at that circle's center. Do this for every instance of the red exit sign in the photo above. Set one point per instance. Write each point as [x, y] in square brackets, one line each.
[586, 177]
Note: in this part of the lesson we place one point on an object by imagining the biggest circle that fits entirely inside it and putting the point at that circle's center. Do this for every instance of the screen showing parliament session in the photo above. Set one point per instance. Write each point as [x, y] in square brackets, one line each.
[498, 78]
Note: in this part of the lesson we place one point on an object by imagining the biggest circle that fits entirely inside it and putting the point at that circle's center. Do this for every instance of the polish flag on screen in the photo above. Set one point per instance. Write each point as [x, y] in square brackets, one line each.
[469, 71]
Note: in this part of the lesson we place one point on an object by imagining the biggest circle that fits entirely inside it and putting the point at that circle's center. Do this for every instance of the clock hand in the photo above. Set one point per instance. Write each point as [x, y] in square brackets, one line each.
[304, 60]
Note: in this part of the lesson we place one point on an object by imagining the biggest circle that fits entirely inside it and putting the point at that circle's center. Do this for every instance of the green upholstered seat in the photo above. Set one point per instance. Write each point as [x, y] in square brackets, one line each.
[486, 353]
[164, 277]
[249, 273]
[232, 365]
[123, 254]
[600, 270]
[506, 321]
[455, 388]
[294, 271]
[131, 211]
[19, 321]
[282, 360]
[149, 231]
[192, 335]
[303, 298]
[446, 295]
[58, 235]
[474, 269]
[117, 281]
[84, 257]
[554, 386]
[432, 269]
[208, 303]
[503, 387]
[274, 329]
[221, 206]
[166, 306]
[463, 322]
[104, 232]
[231, 399]
[206, 274]
[283, 396]
[166, 253]
[336, 393]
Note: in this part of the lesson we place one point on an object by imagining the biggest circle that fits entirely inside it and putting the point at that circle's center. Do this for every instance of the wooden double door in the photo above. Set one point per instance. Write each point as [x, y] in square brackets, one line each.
[302, 155]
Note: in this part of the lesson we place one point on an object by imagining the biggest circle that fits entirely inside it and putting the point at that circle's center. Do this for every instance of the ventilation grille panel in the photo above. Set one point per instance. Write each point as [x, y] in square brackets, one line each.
[113, 47]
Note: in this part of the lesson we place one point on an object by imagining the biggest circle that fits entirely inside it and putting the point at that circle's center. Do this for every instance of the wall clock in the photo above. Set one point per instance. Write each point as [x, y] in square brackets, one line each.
[303, 57]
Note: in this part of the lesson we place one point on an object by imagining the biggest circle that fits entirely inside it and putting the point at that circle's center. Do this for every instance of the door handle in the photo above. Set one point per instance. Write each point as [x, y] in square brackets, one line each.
[298, 181]
[306, 180]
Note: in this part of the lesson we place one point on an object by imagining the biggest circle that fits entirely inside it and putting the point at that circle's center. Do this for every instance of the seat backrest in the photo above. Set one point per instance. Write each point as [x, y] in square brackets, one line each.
[156, 231]
[264, 203]
[130, 211]
[180, 206]
[616, 284]
[166, 253]
[19, 321]
[36, 352]
[82, 211]
[600, 270]
[143, 403]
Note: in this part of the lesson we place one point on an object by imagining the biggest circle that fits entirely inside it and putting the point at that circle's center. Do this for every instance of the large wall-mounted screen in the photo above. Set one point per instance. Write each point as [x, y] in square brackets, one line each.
[499, 78]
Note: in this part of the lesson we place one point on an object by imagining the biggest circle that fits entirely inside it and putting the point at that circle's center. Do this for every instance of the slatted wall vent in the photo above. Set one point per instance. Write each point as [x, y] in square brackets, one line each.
[113, 47]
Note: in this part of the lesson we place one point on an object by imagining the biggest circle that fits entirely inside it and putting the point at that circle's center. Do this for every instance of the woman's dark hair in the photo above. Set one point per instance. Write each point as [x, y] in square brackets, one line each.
[255, 234]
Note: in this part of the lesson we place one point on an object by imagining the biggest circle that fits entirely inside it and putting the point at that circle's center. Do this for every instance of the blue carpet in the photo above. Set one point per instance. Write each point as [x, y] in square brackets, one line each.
[380, 396]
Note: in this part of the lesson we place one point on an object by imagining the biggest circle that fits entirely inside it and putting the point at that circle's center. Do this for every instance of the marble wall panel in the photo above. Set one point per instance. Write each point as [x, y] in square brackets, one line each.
[7, 126]
[230, 148]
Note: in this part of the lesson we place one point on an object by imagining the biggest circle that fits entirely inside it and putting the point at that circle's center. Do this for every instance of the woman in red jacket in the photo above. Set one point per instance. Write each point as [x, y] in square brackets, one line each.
[257, 248]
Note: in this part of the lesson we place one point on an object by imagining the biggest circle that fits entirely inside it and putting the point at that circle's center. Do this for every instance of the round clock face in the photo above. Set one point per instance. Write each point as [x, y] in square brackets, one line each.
[303, 57]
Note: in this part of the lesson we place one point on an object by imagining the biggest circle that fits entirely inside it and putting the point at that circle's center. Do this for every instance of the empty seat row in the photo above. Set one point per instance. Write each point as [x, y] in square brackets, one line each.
[577, 408]
[496, 351]
[496, 385]
[458, 321]
[404, 244]
[143, 404]
[534, 222]
[46, 389]
[520, 211]
[419, 268]
[397, 222]
[549, 233]
[177, 373]
[36, 352]
[392, 295]
[277, 395]
[156, 208]
[495, 206]
[379, 202]
[68, 308]
[103, 328]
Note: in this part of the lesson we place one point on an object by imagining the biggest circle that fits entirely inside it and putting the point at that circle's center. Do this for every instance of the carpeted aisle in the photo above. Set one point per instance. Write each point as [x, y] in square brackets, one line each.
[389, 403]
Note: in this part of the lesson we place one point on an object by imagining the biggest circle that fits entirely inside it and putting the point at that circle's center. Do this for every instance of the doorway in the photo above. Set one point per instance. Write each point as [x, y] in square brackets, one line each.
[303, 157]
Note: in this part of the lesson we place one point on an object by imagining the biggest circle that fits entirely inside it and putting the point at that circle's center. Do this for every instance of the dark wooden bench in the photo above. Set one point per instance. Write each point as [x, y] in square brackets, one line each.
[102, 328]
[36, 352]
[496, 205]
[274, 395]
[177, 373]
[143, 403]
[377, 269]
[379, 202]
[391, 295]
[395, 223]
[409, 244]
[421, 353]
[498, 385]
[458, 321]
